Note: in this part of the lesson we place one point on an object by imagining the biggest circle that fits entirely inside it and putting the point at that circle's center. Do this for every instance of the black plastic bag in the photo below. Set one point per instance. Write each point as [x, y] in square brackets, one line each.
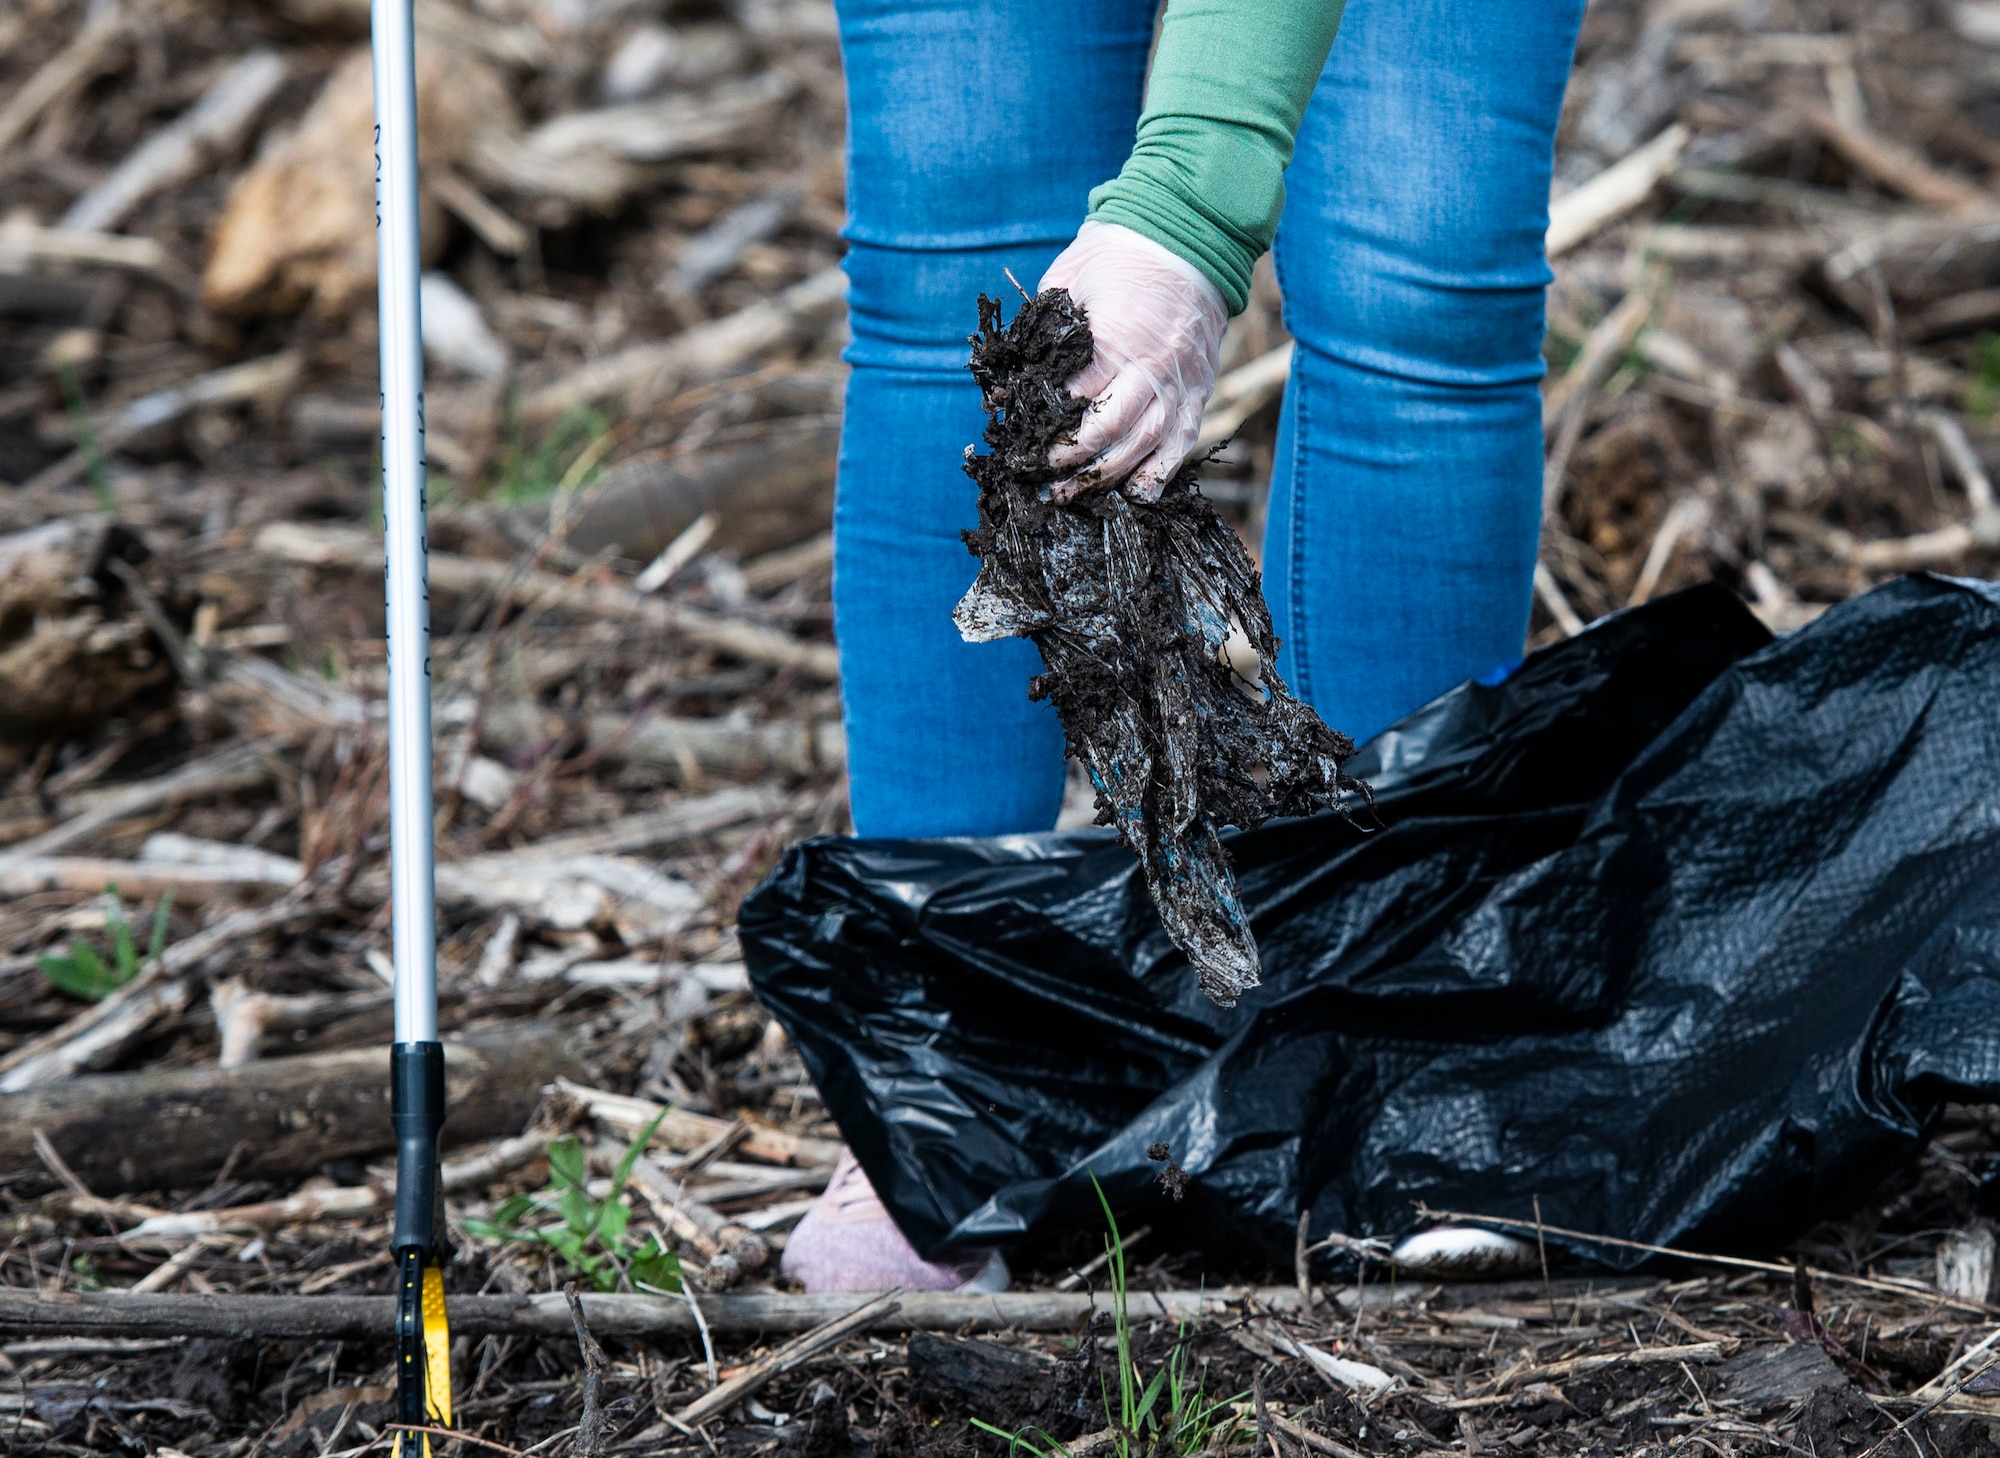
[1687, 932]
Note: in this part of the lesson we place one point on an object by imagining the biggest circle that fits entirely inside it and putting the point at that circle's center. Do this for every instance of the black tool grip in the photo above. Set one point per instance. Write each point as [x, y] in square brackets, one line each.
[416, 1109]
[410, 1354]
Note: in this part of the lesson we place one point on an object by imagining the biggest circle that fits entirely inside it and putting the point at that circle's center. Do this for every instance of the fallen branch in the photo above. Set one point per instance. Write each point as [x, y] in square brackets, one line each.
[105, 1038]
[547, 1314]
[569, 894]
[648, 372]
[1613, 192]
[1867, 1283]
[1687, 515]
[681, 820]
[283, 1116]
[231, 385]
[752, 1378]
[681, 1130]
[1643, 1357]
[1603, 349]
[69, 1046]
[74, 64]
[23, 242]
[766, 485]
[1241, 393]
[449, 572]
[25, 875]
[1550, 594]
[787, 565]
[1897, 167]
[1945, 545]
[341, 1202]
[215, 124]
[719, 746]
[597, 158]
[1960, 314]
[726, 1248]
[1315, 1441]
[1687, 243]
[590, 1423]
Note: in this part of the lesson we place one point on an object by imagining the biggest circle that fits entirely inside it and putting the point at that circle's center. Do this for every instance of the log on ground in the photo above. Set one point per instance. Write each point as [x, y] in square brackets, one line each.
[163, 1129]
[767, 492]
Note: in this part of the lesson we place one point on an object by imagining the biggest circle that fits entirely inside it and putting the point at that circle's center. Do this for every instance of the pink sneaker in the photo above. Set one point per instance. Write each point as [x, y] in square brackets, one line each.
[847, 1242]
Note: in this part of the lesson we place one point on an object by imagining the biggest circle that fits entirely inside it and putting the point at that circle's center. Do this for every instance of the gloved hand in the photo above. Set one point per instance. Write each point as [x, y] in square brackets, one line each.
[1158, 324]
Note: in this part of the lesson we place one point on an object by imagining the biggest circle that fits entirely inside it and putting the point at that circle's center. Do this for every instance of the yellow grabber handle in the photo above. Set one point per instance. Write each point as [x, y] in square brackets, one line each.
[423, 1350]
[423, 1337]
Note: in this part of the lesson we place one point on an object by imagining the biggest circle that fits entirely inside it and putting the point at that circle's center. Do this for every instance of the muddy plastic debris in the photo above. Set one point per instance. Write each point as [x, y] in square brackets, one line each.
[1155, 639]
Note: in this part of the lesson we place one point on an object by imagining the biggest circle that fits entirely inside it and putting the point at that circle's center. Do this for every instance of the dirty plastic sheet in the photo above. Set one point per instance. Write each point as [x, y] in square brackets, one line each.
[1156, 644]
[1685, 932]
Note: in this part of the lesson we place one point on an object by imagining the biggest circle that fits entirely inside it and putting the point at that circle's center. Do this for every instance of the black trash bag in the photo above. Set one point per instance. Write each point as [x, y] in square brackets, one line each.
[1155, 640]
[1687, 932]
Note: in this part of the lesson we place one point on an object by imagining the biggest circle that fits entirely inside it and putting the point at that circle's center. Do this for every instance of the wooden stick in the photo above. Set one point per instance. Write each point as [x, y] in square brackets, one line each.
[680, 820]
[1898, 1288]
[24, 876]
[54, 1054]
[1897, 167]
[503, 234]
[1976, 309]
[69, 67]
[347, 547]
[589, 1423]
[1550, 592]
[215, 124]
[233, 384]
[1965, 463]
[650, 371]
[780, 746]
[1075, 1279]
[23, 240]
[340, 1203]
[752, 1378]
[1315, 1441]
[1602, 349]
[1645, 1356]
[1936, 548]
[239, 767]
[787, 565]
[176, 1265]
[1613, 192]
[728, 1249]
[120, 1313]
[1580, 1366]
[1241, 393]
[682, 1130]
[105, 1038]
[1685, 515]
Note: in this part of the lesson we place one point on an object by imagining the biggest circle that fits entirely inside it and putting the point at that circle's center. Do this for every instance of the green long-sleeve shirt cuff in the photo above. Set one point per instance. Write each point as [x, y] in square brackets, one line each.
[1229, 85]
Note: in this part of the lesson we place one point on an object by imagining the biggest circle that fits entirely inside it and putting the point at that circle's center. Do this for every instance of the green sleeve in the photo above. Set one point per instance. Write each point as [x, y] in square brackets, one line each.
[1230, 82]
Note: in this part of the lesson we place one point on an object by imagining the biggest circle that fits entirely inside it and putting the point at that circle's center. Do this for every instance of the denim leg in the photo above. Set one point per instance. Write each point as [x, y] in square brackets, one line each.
[976, 130]
[1406, 497]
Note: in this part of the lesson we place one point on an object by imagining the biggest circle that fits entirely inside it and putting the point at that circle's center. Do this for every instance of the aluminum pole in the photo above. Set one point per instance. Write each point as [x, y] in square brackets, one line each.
[416, 1061]
[413, 888]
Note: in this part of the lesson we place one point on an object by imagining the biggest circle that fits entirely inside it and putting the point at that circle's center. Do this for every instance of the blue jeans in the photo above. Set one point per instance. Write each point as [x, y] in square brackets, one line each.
[1405, 505]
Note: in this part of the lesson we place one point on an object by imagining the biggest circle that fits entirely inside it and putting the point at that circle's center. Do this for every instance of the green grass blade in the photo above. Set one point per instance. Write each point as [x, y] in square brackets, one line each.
[632, 1152]
[157, 942]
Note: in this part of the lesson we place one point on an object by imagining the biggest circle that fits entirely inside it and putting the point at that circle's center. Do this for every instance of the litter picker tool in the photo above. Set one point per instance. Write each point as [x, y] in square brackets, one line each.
[416, 1068]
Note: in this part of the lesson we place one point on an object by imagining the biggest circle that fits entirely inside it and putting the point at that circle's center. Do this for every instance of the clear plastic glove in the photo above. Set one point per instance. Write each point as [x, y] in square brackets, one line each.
[1158, 324]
